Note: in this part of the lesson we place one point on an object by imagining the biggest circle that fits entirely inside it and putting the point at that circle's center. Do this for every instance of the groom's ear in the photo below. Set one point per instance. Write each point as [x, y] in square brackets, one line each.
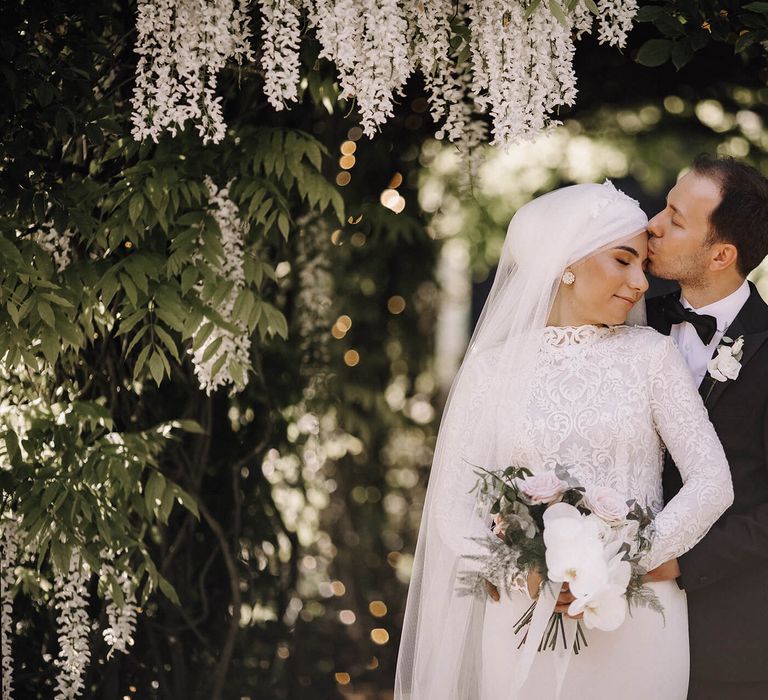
[724, 255]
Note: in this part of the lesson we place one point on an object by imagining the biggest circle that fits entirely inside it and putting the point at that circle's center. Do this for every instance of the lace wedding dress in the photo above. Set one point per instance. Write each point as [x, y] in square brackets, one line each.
[605, 401]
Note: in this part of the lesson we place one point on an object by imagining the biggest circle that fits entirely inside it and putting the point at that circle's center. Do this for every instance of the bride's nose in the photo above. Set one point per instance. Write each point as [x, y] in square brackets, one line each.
[639, 283]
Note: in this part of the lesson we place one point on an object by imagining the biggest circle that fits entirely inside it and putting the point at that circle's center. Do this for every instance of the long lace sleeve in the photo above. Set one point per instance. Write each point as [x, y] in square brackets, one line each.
[684, 426]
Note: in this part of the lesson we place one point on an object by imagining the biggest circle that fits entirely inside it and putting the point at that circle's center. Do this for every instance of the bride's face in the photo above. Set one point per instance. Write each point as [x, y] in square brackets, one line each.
[609, 283]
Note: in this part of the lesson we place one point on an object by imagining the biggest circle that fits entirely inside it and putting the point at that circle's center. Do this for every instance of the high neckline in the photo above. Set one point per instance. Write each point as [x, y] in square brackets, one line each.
[567, 336]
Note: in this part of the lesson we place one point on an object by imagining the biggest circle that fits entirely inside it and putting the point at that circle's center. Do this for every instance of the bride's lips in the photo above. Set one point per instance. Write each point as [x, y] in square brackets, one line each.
[631, 302]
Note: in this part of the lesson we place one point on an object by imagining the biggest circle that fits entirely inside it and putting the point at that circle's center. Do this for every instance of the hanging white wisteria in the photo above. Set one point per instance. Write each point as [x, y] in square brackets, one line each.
[71, 596]
[182, 46]
[370, 41]
[224, 356]
[57, 245]
[9, 548]
[280, 41]
[509, 59]
[121, 616]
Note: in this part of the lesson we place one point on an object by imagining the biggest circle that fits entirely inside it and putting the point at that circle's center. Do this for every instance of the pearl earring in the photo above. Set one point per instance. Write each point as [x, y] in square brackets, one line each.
[568, 277]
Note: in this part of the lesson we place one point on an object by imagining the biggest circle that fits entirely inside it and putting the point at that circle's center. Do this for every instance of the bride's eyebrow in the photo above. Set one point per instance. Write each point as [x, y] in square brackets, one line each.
[628, 249]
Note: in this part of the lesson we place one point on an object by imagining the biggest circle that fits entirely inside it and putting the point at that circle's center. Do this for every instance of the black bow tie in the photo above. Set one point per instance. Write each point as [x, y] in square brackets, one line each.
[705, 325]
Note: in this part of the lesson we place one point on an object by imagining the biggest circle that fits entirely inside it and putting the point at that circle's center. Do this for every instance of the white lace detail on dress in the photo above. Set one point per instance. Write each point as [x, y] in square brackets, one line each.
[604, 403]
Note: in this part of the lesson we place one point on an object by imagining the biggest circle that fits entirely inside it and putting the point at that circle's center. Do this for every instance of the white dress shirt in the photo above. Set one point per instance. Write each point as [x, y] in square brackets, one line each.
[696, 354]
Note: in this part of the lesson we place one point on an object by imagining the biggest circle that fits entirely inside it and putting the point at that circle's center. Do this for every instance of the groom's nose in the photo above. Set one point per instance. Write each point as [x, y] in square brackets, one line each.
[655, 228]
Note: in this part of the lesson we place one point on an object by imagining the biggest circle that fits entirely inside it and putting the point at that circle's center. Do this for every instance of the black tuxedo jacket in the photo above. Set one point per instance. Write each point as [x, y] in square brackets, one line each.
[725, 575]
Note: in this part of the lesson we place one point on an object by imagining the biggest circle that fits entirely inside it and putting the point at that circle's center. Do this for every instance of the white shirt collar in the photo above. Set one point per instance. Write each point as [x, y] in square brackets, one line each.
[724, 310]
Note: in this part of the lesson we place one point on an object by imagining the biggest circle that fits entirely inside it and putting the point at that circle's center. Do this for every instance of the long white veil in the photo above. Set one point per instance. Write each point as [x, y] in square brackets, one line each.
[440, 654]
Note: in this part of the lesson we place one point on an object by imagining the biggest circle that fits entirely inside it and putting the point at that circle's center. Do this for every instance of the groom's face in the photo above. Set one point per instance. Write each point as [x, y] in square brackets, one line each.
[678, 248]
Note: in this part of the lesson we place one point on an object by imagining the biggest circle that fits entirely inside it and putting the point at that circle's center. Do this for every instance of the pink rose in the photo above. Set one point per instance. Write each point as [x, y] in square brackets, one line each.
[607, 504]
[542, 488]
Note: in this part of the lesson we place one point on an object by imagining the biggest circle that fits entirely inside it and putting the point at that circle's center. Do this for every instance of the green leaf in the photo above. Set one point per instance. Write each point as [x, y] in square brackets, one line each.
[186, 500]
[532, 8]
[130, 289]
[682, 53]
[169, 591]
[648, 13]
[135, 207]
[46, 313]
[153, 490]
[51, 344]
[699, 39]
[654, 52]
[109, 286]
[128, 322]
[140, 360]
[188, 278]
[747, 40]
[202, 335]
[210, 351]
[165, 337]
[557, 12]
[592, 7]
[761, 7]
[56, 299]
[669, 26]
[283, 225]
[156, 367]
[136, 338]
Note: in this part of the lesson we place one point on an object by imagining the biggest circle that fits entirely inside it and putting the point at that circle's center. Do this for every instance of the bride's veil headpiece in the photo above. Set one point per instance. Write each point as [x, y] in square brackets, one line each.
[440, 652]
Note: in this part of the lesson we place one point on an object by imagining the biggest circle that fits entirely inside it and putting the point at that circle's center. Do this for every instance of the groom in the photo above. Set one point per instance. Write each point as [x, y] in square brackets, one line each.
[712, 233]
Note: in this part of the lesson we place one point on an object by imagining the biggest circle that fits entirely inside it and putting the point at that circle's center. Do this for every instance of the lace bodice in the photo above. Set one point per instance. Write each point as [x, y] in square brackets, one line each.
[605, 401]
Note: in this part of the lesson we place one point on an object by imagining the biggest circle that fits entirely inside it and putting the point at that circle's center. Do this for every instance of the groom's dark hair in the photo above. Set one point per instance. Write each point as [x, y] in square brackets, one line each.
[741, 218]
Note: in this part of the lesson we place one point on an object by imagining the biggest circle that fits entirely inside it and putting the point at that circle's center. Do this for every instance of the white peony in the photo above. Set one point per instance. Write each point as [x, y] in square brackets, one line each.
[607, 503]
[542, 488]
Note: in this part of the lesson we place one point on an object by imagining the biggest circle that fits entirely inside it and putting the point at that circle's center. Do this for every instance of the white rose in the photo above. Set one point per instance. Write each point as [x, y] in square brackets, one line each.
[738, 344]
[542, 488]
[724, 365]
[607, 504]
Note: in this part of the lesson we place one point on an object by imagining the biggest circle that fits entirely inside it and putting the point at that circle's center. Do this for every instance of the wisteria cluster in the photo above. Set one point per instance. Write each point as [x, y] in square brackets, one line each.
[121, 617]
[57, 245]
[182, 46]
[71, 596]
[280, 40]
[370, 43]
[510, 59]
[233, 352]
[9, 547]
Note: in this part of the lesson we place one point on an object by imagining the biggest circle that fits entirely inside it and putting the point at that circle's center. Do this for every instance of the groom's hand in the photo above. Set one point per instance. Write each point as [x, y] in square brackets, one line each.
[668, 571]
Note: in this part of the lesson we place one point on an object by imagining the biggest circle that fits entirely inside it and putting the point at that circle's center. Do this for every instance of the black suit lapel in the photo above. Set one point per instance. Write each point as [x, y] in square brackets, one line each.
[752, 323]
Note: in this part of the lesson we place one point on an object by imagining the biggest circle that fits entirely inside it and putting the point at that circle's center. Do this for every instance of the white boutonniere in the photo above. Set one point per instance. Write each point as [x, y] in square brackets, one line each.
[727, 363]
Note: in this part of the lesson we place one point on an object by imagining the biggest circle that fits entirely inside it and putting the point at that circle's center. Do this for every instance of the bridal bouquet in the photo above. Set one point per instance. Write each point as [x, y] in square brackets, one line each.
[590, 538]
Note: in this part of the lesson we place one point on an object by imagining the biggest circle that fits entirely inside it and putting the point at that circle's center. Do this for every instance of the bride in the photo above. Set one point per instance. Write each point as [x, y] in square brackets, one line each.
[561, 371]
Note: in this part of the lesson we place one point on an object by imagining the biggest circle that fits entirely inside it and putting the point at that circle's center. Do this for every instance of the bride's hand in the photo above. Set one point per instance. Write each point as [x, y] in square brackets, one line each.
[535, 579]
[668, 571]
[534, 586]
[564, 599]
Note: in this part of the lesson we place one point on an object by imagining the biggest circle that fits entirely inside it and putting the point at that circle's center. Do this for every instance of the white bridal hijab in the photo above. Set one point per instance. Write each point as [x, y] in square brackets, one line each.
[440, 649]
